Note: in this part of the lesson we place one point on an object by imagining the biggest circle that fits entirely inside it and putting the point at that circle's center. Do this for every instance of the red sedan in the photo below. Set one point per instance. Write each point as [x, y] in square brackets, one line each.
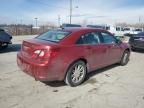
[69, 54]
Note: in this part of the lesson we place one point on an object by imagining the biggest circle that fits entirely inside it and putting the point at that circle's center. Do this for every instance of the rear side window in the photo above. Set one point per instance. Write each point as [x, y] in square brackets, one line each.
[54, 36]
[89, 38]
[107, 38]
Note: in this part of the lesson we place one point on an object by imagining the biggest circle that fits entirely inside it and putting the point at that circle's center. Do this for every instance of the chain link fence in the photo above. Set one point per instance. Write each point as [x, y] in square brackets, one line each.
[26, 29]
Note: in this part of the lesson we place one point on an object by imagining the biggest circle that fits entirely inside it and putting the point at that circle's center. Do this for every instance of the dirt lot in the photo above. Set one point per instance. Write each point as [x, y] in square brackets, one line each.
[111, 87]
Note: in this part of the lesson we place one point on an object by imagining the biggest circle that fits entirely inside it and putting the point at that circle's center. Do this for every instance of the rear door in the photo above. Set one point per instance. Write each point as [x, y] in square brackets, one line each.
[113, 49]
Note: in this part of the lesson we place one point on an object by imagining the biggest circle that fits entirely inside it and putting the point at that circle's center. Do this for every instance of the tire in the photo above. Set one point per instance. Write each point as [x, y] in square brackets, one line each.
[133, 49]
[125, 58]
[76, 74]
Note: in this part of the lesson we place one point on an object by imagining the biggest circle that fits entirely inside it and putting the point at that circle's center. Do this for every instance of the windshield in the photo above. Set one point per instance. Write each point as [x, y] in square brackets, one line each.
[54, 36]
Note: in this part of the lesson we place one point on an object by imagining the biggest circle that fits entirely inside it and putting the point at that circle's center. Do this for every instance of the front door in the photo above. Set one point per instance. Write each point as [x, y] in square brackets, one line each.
[113, 49]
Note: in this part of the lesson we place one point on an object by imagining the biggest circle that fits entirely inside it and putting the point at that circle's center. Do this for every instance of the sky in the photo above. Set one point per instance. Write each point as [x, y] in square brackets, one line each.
[84, 11]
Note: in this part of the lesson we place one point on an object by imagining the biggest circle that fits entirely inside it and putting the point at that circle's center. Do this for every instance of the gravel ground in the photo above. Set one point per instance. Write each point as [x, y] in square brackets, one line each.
[112, 87]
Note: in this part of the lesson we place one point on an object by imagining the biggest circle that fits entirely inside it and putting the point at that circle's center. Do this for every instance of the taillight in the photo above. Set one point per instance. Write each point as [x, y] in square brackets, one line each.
[39, 53]
[45, 54]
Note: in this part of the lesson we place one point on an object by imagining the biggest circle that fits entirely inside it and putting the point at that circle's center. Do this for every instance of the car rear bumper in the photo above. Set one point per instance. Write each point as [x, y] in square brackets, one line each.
[41, 72]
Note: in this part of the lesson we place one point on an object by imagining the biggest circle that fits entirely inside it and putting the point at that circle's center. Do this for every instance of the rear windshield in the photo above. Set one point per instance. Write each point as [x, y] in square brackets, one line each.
[54, 36]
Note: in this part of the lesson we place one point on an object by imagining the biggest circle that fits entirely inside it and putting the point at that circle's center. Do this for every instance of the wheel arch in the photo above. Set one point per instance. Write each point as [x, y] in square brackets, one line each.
[79, 59]
[127, 49]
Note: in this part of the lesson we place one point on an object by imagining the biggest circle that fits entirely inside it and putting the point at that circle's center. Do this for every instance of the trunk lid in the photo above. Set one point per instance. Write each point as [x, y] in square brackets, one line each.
[30, 46]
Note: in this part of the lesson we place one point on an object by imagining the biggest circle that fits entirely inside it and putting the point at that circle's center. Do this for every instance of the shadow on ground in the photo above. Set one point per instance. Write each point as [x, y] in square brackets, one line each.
[138, 51]
[89, 75]
[55, 83]
[88, 79]
[11, 48]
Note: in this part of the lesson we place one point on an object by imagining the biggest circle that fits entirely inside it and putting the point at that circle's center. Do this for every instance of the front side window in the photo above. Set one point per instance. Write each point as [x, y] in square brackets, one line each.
[90, 38]
[108, 38]
[54, 36]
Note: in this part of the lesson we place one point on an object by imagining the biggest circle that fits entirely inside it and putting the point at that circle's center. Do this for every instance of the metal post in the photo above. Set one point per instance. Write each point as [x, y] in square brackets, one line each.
[70, 11]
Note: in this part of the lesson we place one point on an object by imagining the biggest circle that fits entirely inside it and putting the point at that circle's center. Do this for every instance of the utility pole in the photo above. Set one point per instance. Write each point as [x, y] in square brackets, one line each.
[21, 26]
[36, 27]
[139, 19]
[21, 21]
[70, 11]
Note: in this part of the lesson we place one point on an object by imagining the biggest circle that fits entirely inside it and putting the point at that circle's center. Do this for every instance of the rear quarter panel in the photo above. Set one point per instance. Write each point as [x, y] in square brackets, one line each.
[65, 57]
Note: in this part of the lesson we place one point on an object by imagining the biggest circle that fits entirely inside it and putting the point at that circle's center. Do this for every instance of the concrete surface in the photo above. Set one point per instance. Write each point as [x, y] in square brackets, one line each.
[111, 87]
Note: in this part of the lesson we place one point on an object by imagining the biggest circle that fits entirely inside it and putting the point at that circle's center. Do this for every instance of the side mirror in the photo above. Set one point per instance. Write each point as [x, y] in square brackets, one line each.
[118, 40]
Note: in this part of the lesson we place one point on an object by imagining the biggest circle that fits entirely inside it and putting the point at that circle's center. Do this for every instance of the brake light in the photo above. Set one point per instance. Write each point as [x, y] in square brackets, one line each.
[45, 54]
[40, 53]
